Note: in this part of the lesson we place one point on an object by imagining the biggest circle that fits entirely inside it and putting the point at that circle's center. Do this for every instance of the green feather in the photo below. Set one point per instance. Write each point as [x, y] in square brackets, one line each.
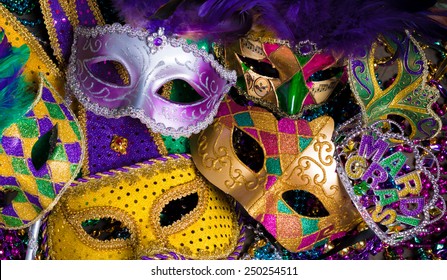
[16, 95]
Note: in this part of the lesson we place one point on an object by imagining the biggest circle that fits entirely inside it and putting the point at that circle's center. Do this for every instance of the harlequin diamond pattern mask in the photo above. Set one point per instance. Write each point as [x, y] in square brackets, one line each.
[282, 172]
[157, 207]
[274, 76]
[40, 155]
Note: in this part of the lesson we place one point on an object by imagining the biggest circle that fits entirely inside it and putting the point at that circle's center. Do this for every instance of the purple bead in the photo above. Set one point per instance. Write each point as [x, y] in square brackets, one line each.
[9, 238]
[158, 41]
[15, 252]
[305, 49]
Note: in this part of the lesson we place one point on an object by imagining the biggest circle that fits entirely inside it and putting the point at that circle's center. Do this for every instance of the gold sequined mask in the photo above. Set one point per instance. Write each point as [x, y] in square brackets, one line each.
[160, 207]
[282, 172]
[275, 76]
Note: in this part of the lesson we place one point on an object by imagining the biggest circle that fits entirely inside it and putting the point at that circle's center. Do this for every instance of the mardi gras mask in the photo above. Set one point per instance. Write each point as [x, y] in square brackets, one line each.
[407, 96]
[280, 78]
[282, 172]
[40, 154]
[387, 177]
[161, 206]
[117, 71]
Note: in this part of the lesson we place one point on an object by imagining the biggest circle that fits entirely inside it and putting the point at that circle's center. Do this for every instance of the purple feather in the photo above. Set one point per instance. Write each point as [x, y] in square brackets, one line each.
[342, 26]
[198, 18]
[346, 27]
[266, 12]
[136, 13]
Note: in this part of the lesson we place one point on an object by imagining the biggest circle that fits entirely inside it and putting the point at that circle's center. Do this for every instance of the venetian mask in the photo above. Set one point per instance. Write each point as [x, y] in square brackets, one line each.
[40, 154]
[158, 207]
[406, 95]
[118, 71]
[281, 78]
[282, 172]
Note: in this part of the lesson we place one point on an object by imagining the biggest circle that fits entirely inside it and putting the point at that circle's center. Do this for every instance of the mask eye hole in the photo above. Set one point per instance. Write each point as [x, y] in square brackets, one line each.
[179, 91]
[387, 68]
[44, 147]
[7, 196]
[260, 67]
[105, 229]
[326, 74]
[248, 150]
[110, 71]
[305, 203]
[177, 208]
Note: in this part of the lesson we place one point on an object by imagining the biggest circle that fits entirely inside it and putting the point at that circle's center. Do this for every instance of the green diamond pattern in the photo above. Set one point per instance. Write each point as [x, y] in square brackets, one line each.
[19, 166]
[273, 166]
[12, 221]
[55, 111]
[282, 208]
[304, 143]
[309, 225]
[46, 188]
[28, 128]
[59, 154]
[75, 128]
[244, 119]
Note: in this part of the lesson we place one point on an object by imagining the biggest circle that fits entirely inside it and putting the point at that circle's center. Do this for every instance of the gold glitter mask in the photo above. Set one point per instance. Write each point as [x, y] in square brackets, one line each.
[285, 177]
[160, 207]
[271, 74]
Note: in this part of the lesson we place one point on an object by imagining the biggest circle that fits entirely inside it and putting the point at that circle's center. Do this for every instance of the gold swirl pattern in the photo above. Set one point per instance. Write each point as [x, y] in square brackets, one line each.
[310, 168]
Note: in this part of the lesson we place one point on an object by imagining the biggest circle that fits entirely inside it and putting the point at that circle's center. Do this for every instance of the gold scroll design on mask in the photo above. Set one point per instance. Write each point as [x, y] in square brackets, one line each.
[217, 159]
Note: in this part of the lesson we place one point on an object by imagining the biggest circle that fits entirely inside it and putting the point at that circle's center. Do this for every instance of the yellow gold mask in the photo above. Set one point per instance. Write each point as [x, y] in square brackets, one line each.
[158, 207]
[282, 172]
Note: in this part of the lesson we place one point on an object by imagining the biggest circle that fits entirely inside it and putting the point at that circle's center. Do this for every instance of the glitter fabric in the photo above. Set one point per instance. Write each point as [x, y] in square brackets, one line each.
[100, 132]
[59, 27]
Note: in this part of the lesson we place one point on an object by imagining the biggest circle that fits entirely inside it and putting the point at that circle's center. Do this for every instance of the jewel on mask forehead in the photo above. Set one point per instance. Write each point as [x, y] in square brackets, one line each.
[306, 48]
[388, 167]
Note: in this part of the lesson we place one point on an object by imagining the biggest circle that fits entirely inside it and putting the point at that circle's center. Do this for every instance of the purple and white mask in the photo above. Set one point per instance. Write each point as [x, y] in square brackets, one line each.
[117, 71]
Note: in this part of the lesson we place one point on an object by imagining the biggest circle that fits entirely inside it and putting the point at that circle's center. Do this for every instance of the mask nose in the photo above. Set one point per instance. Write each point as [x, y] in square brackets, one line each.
[291, 95]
